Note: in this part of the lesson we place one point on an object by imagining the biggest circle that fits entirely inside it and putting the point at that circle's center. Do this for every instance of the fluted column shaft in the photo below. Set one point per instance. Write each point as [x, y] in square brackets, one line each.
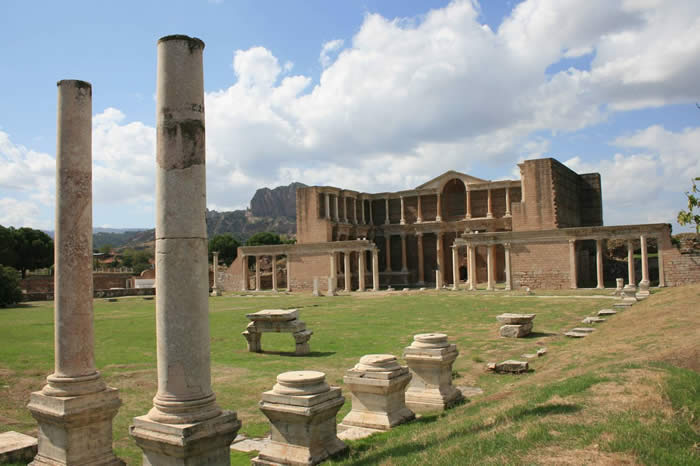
[472, 268]
[490, 266]
[274, 272]
[645, 259]
[599, 263]
[375, 269]
[630, 263]
[328, 206]
[489, 204]
[346, 269]
[509, 280]
[403, 215]
[508, 213]
[421, 259]
[469, 204]
[455, 267]
[361, 270]
[386, 204]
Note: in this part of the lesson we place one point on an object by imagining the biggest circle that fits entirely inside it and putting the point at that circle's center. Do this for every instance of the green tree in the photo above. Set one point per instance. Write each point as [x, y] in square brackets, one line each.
[138, 259]
[8, 251]
[689, 217]
[34, 250]
[263, 238]
[106, 249]
[227, 247]
[10, 292]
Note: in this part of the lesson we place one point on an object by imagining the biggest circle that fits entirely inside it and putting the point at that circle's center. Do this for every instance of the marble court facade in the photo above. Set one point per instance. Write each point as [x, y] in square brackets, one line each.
[544, 230]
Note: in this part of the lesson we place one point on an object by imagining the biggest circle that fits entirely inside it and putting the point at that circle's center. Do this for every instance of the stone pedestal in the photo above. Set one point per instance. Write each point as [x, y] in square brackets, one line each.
[643, 292]
[317, 289]
[205, 442]
[516, 325]
[277, 320]
[378, 385]
[619, 284]
[75, 429]
[430, 358]
[629, 293]
[332, 283]
[301, 408]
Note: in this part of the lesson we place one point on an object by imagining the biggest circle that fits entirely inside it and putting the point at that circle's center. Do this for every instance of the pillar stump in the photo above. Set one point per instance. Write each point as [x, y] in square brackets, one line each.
[430, 358]
[515, 325]
[301, 408]
[378, 384]
[75, 409]
[215, 291]
[619, 284]
[185, 425]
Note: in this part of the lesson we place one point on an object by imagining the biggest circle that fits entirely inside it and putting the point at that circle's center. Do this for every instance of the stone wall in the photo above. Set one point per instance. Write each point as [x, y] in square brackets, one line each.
[48, 296]
[305, 268]
[101, 281]
[540, 265]
[310, 227]
[681, 268]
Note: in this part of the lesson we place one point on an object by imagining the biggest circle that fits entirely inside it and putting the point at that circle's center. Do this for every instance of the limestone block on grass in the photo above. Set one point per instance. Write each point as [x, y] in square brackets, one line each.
[430, 358]
[301, 408]
[576, 334]
[606, 312]
[583, 329]
[515, 319]
[593, 320]
[515, 331]
[378, 384]
[510, 366]
[17, 448]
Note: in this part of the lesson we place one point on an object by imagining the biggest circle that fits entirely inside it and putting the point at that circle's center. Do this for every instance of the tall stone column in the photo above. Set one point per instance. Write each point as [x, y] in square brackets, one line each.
[75, 400]
[215, 285]
[337, 212]
[419, 216]
[455, 268]
[375, 269]
[403, 214]
[288, 266]
[387, 242]
[599, 263]
[185, 425]
[274, 272]
[334, 272]
[644, 284]
[328, 206]
[246, 272]
[438, 256]
[421, 259]
[362, 211]
[489, 205]
[257, 273]
[346, 269]
[508, 212]
[371, 215]
[469, 204]
[660, 251]
[354, 210]
[490, 285]
[361, 269]
[386, 206]
[438, 214]
[630, 263]
[404, 261]
[345, 210]
[472, 268]
[509, 280]
[573, 270]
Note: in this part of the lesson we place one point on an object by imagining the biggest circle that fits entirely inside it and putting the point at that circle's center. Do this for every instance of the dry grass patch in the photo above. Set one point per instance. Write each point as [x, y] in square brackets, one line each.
[574, 457]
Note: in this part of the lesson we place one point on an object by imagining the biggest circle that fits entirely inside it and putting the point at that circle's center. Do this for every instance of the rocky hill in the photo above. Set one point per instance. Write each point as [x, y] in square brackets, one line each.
[278, 202]
[270, 210]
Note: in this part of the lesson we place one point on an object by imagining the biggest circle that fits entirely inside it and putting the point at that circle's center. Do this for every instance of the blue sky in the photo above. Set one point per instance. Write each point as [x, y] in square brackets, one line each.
[371, 95]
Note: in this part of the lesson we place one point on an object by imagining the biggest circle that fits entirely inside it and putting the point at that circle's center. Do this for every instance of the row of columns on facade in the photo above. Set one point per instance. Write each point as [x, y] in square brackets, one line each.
[258, 272]
[361, 270]
[630, 263]
[419, 217]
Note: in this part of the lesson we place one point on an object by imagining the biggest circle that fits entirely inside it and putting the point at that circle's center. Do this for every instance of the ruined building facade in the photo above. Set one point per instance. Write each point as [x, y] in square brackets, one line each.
[544, 230]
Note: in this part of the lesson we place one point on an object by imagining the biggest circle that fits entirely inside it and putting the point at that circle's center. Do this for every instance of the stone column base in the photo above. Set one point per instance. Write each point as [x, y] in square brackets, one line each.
[206, 442]
[215, 292]
[76, 430]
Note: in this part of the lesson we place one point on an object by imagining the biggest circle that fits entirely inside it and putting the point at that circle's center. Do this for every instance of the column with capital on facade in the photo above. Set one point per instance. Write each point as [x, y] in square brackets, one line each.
[490, 268]
[274, 272]
[257, 273]
[362, 211]
[375, 269]
[345, 210]
[371, 219]
[386, 204]
[630, 263]
[455, 267]
[644, 283]
[419, 216]
[336, 216]
[403, 216]
[469, 204]
[361, 269]
[599, 263]
[288, 267]
[573, 270]
[438, 255]
[508, 213]
[185, 425]
[438, 216]
[387, 243]
[404, 264]
[509, 280]
[346, 270]
[328, 206]
[333, 277]
[421, 260]
[75, 399]
[472, 268]
[489, 204]
[354, 210]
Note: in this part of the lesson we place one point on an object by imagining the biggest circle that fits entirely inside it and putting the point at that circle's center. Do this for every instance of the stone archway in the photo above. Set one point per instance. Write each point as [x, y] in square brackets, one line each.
[454, 200]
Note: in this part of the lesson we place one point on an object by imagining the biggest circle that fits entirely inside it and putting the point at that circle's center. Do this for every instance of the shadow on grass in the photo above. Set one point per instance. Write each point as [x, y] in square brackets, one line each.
[521, 412]
[313, 354]
[540, 334]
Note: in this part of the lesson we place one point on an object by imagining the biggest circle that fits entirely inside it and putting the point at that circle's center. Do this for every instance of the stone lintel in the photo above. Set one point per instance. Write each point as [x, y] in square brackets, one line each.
[274, 315]
[449, 353]
[376, 381]
[205, 442]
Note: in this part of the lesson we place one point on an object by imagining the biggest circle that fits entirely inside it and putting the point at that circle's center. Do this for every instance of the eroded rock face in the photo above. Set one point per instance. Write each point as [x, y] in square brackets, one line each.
[278, 202]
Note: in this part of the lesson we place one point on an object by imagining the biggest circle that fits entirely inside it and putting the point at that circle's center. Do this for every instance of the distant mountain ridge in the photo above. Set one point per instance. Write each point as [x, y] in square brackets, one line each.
[270, 210]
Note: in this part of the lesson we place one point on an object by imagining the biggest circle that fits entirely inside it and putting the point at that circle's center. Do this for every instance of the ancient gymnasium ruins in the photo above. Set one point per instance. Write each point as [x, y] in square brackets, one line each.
[544, 230]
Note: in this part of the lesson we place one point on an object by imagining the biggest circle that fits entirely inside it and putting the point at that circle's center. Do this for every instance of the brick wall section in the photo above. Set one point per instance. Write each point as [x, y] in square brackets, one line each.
[681, 268]
[591, 200]
[540, 266]
[311, 228]
[565, 196]
[536, 212]
[305, 268]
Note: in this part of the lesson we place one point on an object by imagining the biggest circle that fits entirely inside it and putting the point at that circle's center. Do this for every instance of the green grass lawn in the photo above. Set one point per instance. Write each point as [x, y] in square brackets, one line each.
[518, 419]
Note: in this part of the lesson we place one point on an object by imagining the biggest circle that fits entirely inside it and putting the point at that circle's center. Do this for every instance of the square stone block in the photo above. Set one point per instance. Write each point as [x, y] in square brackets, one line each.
[516, 331]
[17, 448]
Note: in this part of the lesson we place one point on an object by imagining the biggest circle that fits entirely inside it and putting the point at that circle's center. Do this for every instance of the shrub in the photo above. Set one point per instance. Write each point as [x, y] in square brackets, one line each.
[10, 293]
